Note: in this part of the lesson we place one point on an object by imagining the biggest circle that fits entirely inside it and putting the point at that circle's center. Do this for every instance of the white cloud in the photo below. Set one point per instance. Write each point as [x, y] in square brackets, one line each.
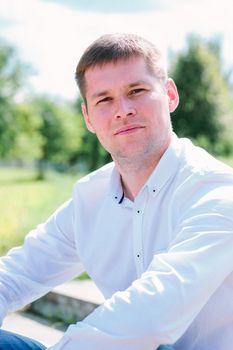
[52, 37]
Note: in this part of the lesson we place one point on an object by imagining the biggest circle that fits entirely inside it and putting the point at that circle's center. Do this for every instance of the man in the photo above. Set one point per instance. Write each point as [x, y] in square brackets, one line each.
[154, 229]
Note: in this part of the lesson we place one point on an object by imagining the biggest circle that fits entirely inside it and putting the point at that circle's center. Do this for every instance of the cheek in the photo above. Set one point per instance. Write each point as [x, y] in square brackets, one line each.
[152, 102]
[161, 109]
[99, 120]
[102, 127]
[159, 116]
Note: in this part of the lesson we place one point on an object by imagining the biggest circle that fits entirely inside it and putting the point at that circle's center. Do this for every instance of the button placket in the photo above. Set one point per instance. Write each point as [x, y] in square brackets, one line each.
[139, 207]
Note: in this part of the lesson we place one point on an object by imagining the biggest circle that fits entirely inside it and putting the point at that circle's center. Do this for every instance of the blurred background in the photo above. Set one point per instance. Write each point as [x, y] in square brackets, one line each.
[44, 146]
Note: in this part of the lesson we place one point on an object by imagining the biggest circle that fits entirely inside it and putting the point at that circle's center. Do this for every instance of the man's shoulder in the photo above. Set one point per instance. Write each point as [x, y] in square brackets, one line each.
[96, 181]
[199, 162]
[99, 174]
[200, 180]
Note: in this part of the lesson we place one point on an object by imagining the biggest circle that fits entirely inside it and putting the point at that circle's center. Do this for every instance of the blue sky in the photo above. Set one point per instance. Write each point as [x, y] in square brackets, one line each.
[52, 34]
[106, 6]
[117, 6]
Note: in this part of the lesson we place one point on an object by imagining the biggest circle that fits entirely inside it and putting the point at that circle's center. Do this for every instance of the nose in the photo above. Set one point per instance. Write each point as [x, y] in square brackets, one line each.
[124, 108]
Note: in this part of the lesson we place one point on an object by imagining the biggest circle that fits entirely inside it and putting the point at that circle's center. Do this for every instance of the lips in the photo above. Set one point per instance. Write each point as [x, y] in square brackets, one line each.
[128, 129]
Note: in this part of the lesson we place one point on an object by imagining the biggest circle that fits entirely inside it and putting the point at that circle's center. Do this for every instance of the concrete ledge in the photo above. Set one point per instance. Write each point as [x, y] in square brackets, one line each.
[85, 290]
[47, 318]
[20, 324]
[68, 303]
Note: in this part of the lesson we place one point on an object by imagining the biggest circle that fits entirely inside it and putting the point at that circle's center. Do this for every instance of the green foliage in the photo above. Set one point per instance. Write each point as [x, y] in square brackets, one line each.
[11, 70]
[60, 132]
[204, 108]
[16, 120]
[8, 128]
[92, 154]
[42, 128]
[28, 140]
[11, 75]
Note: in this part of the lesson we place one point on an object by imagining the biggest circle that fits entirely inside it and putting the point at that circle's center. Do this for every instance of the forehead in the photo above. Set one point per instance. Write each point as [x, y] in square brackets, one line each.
[112, 74]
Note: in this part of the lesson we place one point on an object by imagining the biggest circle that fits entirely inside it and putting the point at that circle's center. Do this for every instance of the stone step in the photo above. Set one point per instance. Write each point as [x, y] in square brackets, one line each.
[47, 318]
[85, 290]
[29, 327]
[68, 303]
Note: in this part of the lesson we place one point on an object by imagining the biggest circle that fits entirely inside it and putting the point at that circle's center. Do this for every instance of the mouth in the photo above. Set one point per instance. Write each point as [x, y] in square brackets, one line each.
[128, 129]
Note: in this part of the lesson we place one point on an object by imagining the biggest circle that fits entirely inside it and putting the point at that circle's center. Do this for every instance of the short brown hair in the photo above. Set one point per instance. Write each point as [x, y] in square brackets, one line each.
[111, 48]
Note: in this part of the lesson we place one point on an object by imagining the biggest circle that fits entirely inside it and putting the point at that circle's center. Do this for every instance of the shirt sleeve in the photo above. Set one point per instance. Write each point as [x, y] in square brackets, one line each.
[47, 258]
[159, 306]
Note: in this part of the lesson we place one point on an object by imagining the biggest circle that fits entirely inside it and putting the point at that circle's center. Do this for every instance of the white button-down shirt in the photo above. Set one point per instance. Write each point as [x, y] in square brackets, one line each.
[164, 262]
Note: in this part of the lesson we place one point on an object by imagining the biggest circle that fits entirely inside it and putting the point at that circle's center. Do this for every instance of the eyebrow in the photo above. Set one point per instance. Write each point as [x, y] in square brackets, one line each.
[99, 94]
[139, 82]
[106, 92]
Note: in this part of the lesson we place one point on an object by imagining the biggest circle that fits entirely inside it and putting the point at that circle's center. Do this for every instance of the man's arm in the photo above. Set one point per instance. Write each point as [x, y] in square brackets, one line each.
[47, 258]
[159, 307]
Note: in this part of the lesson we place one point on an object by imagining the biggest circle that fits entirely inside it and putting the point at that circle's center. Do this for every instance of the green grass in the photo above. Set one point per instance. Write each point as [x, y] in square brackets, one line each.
[26, 202]
[228, 160]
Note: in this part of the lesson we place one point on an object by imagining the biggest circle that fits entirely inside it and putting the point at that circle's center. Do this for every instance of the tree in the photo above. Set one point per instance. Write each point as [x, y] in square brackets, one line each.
[92, 154]
[12, 73]
[204, 94]
[28, 139]
[60, 132]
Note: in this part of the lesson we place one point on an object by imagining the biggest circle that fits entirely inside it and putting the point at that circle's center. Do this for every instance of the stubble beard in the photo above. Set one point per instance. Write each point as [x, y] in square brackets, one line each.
[148, 155]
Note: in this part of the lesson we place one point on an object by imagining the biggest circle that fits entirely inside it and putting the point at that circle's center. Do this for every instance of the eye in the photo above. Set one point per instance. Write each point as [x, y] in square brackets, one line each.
[136, 91]
[105, 99]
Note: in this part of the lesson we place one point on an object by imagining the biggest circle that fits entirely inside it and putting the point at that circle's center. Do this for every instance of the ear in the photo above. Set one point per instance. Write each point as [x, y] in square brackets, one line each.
[87, 118]
[173, 96]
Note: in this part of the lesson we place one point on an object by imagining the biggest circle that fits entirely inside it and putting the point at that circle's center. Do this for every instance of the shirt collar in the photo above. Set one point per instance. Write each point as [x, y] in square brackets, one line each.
[115, 188]
[165, 169]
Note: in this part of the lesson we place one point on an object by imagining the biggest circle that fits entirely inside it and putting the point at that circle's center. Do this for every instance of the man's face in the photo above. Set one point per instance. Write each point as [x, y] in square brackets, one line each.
[129, 109]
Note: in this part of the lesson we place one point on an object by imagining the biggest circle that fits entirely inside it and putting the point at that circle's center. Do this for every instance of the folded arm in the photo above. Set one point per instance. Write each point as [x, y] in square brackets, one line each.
[159, 306]
[47, 258]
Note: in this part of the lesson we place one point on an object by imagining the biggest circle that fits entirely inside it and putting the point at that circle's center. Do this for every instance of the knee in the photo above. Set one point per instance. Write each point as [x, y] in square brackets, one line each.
[12, 341]
[6, 340]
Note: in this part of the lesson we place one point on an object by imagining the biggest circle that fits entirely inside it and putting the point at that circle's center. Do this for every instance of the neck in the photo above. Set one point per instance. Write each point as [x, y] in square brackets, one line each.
[135, 171]
[134, 175]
